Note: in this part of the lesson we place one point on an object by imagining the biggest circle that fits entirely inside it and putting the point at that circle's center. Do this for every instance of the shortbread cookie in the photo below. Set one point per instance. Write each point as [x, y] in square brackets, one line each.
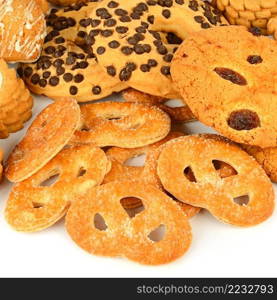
[242, 199]
[249, 13]
[272, 27]
[231, 88]
[33, 205]
[128, 31]
[67, 66]
[266, 157]
[15, 101]
[177, 114]
[47, 135]
[124, 235]
[126, 125]
[22, 30]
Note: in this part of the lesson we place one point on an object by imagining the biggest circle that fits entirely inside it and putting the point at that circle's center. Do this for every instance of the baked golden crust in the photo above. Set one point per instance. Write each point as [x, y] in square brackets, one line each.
[15, 101]
[125, 236]
[127, 125]
[22, 30]
[33, 206]
[231, 88]
[44, 5]
[67, 66]
[44, 139]
[208, 190]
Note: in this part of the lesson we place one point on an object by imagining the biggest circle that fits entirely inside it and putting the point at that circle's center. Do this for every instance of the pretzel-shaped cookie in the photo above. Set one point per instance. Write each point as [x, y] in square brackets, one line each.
[33, 206]
[127, 125]
[129, 236]
[177, 114]
[221, 196]
[44, 139]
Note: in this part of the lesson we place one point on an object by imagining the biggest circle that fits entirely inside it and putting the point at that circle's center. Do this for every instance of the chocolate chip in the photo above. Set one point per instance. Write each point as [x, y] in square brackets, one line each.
[135, 16]
[199, 19]
[95, 22]
[231, 75]
[120, 12]
[254, 59]
[114, 44]
[42, 83]
[46, 74]
[132, 40]
[139, 36]
[144, 68]
[50, 50]
[81, 34]
[84, 22]
[173, 39]
[144, 24]
[60, 71]
[100, 50]
[35, 78]
[152, 63]
[112, 4]
[58, 62]
[54, 81]
[59, 40]
[106, 32]
[125, 19]
[155, 34]
[110, 22]
[58, 53]
[166, 13]
[111, 71]
[165, 3]
[96, 90]
[162, 49]
[70, 60]
[168, 57]
[150, 19]
[193, 5]
[80, 55]
[103, 13]
[67, 77]
[255, 31]
[71, 22]
[147, 48]
[94, 32]
[78, 78]
[140, 29]
[28, 72]
[205, 25]
[165, 70]
[61, 48]
[139, 49]
[131, 67]
[125, 75]
[73, 90]
[83, 64]
[181, 2]
[243, 119]
[126, 50]
[151, 2]
[20, 71]
[121, 29]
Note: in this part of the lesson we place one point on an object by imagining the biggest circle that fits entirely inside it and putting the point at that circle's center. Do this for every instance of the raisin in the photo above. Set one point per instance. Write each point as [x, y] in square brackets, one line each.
[243, 119]
[254, 59]
[231, 75]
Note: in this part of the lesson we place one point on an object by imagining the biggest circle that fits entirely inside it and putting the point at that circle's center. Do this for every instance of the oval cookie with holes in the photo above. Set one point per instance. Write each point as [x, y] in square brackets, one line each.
[41, 200]
[47, 135]
[157, 234]
[244, 198]
[127, 125]
[231, 88]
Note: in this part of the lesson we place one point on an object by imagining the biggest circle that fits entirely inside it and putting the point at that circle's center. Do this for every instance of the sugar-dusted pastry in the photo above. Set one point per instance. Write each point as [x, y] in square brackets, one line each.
[15, 101]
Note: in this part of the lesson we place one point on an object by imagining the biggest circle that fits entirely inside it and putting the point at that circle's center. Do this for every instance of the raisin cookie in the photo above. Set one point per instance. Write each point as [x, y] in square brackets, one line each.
[67, 66]
[231, 88]
[128, 31]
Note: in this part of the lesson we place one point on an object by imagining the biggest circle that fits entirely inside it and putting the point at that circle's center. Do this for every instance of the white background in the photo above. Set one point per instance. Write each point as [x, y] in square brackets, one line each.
[217, 249]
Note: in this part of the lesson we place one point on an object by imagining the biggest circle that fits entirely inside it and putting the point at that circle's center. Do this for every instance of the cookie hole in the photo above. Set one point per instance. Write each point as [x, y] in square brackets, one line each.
[174, 103]
[136, 161]
[132, 212]
[223, 169]
[189, 174]
[243, 119]
[157, 234]
[37, 205]
[231, 76]
[113, 118]
[173, 39]
[50, 181]
[82, 171]
[99, 222]
[85, 128]
[242, 200]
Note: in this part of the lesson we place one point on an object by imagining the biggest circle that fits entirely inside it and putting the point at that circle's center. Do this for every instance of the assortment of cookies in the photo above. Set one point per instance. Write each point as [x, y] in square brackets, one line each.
[125, 180]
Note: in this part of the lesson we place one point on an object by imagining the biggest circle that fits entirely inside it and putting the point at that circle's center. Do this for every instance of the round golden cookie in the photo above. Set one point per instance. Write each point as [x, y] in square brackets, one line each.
[47, 135]
[128, 31]
[22, 30]
[245, 198]
[249, 13]
[67, 66]
[15, 101]
[231, 88]
[266, 157]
